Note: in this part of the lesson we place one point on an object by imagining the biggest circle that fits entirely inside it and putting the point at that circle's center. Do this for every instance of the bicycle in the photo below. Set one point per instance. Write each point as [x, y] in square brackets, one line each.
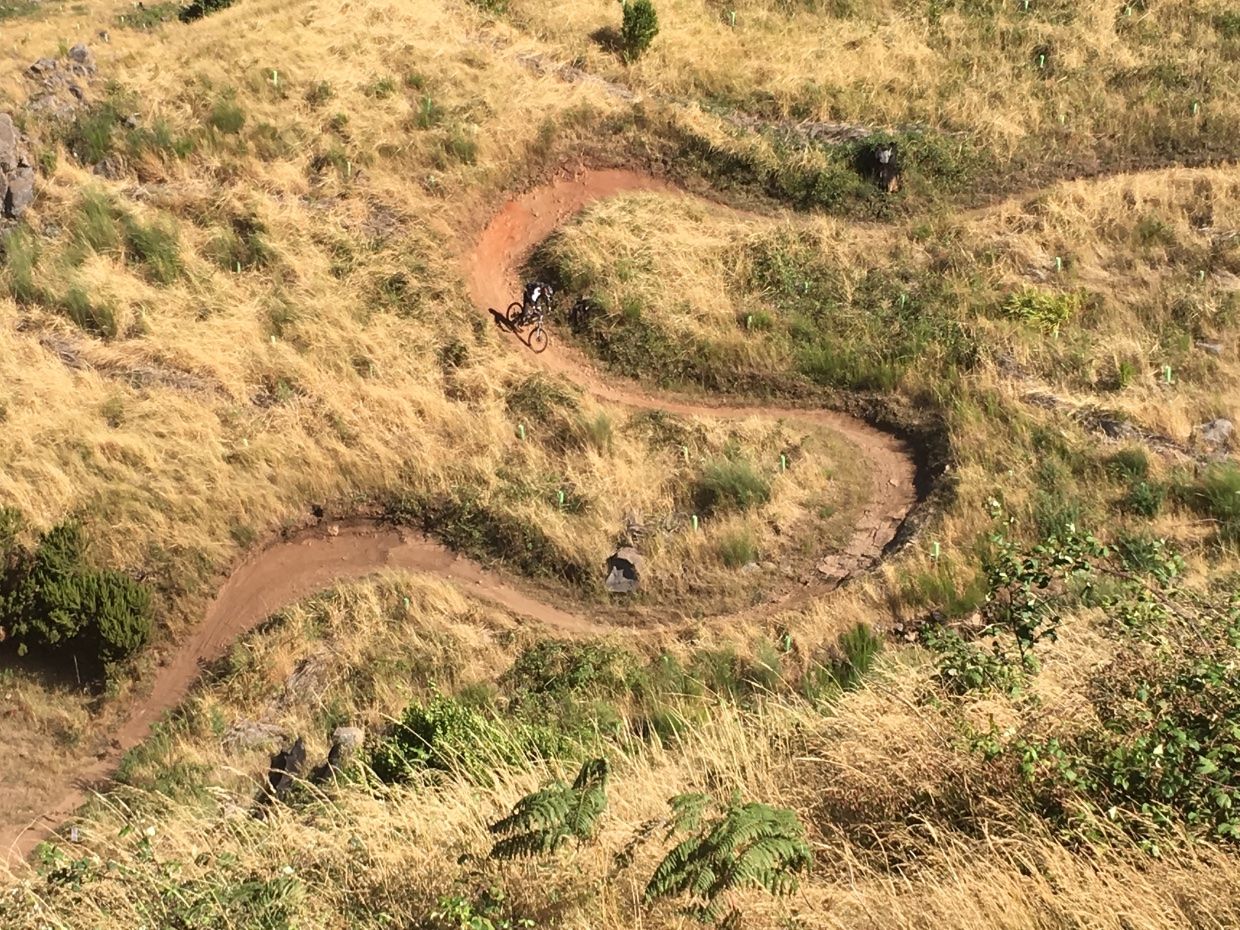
[518, 319]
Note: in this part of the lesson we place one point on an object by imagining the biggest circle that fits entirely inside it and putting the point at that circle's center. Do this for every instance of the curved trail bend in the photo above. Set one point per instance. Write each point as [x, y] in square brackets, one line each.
[317, 559]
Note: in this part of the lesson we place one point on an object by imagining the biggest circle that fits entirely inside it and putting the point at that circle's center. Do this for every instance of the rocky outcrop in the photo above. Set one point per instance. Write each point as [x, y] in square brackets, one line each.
[1214, 435]
[61, 89]
[16, 170]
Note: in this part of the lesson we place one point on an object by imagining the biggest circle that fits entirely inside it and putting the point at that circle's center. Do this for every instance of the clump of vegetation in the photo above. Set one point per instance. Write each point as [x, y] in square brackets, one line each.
[446, 735]
[1216, 494]
[1164, 752]
[1042, 308]
[738, 548]
[226, 116]
[544, 821]
[747, 845]
[639, 26]
[53, 602]
[197, 9]
[730, 484]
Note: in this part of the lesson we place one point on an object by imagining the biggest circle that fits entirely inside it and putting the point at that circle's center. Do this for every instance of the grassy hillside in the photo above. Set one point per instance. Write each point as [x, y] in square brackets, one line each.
[238, 306]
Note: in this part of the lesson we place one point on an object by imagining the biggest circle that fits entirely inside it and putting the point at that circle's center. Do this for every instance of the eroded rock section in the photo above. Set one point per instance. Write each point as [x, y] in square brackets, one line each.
[16, 170]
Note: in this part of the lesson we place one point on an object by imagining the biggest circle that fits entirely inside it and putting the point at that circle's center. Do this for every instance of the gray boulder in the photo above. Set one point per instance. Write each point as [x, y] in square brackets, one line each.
[624, 571]
[1215, 434]
[81, 60]
[9, 143]
[16, 173]
[20, 192]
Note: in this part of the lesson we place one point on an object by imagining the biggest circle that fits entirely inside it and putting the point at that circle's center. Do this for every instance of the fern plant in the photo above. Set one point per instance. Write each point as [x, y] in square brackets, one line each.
[542, 822]
[747, 846]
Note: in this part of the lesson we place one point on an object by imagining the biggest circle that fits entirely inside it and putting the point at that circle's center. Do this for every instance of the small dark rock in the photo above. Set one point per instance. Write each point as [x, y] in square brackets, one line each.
[286, 765]
[43, 66]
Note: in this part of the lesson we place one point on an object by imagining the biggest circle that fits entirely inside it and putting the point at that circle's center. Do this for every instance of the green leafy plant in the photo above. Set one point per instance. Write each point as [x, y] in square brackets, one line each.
[544, 821]
[197, 9]
[446, 735]
[639, 26]
[1024, 589]
[50, 599]
[844, 666]
[1042, 308]
[1165, 751]
[746, 846]
[963, 666]
[730, 484]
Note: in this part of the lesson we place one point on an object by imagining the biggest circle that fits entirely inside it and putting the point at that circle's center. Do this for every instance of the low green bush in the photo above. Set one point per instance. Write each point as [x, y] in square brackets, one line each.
[1216, 494]
[447, 735]
[1042, 308]
[738, 548]
[197, 9]
[729, 484]
[639, 26]
[52, 601]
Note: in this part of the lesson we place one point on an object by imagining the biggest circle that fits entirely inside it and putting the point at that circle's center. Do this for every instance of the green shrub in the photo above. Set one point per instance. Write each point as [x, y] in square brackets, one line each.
[1145, 498]
[446, 735]
[738, 548]
[963, 666]
[1217, 495]
[50, 599]
[155, 246]
[1131, 464]
[1042, 308]
[729, 484]
[226, 116]
[197, 9]
[94, 318]
[1164, 752]
[747, 846]
[567, 667]
[1145, 555]
[638, 28]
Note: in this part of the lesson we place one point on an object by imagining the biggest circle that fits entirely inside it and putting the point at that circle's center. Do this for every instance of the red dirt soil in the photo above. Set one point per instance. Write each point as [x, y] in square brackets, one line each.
[321, 558]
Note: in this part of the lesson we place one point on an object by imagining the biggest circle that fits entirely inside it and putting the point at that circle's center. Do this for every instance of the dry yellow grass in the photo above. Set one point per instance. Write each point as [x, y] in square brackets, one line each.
[234, 401]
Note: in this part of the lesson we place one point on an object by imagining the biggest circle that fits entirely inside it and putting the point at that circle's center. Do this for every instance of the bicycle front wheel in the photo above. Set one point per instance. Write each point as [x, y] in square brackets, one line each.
[538, 339]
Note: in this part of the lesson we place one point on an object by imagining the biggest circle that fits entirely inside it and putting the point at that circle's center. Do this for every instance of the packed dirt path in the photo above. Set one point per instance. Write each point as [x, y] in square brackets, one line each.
[317, 559]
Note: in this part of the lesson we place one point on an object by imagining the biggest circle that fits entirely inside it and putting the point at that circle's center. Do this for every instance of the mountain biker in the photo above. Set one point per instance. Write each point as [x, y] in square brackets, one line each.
[535, 301]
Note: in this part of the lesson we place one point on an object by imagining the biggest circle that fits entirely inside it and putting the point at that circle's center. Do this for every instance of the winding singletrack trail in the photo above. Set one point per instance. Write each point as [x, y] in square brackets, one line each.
[317, 559]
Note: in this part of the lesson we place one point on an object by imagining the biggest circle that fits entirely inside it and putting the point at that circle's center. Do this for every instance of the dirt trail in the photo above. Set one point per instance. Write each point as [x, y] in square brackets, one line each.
[318, 559]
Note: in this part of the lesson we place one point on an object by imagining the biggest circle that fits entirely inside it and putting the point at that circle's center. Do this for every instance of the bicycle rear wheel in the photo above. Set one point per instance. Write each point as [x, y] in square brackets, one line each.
[515, 312]
[538, 338]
